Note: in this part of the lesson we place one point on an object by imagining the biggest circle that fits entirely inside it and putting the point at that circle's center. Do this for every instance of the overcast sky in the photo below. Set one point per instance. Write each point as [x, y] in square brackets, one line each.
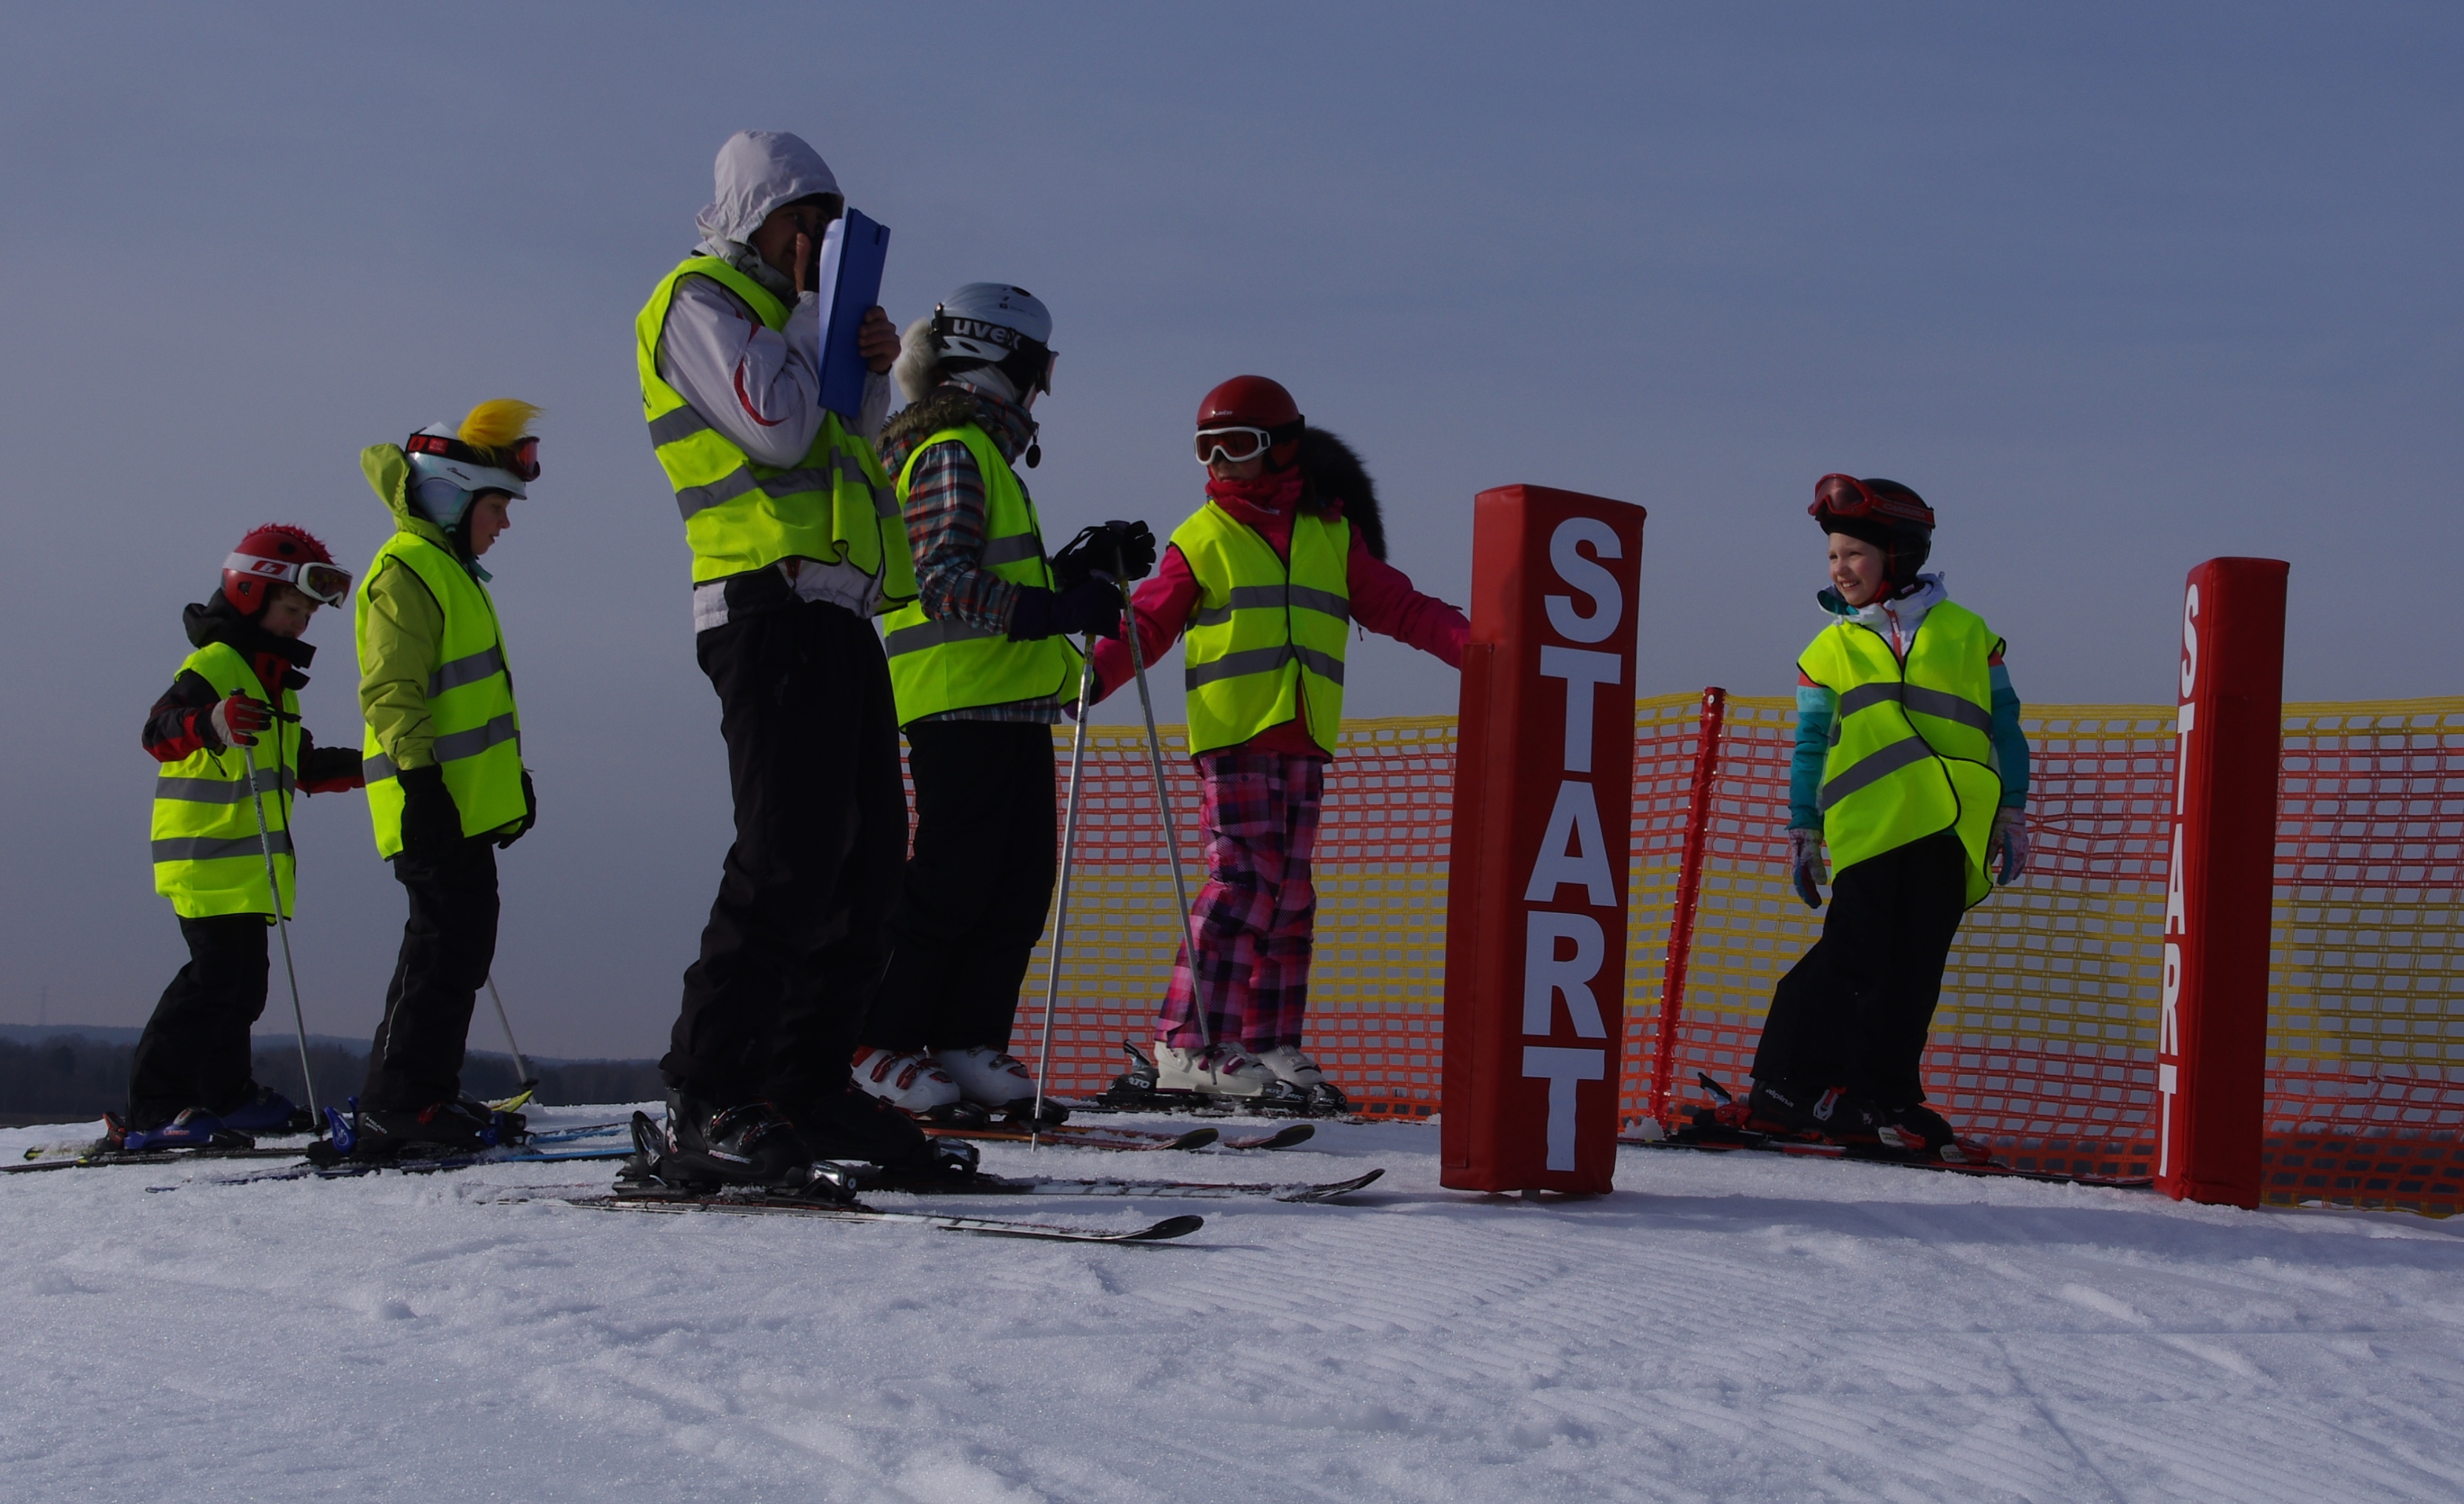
[2118, 288]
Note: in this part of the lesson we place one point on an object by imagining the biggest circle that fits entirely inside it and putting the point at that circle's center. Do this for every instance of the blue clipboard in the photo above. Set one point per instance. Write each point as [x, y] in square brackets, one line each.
[853, 251]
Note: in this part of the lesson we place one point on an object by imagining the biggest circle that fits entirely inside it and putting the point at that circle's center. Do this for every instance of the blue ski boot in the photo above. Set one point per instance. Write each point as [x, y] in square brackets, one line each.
[194, 1128]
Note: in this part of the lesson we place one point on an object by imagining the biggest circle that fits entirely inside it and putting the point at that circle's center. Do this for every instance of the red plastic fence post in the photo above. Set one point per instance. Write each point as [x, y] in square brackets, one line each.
[1543, 815]
[1689, 892]
[2212, 1046]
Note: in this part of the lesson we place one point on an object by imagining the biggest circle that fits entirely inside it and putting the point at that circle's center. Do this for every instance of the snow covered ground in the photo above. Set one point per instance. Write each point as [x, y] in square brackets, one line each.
[1725, 1327]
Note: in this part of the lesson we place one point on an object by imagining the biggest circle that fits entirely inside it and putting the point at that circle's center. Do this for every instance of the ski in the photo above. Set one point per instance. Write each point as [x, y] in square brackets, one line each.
[1768, 1144]
[353, 1170]
[96, 1155]
[754, 1203]
[1076, 1136]
[870, 1179]
[1087, 1136]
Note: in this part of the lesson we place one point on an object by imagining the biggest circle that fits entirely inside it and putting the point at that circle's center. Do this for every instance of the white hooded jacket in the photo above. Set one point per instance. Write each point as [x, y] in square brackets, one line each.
[761, 387]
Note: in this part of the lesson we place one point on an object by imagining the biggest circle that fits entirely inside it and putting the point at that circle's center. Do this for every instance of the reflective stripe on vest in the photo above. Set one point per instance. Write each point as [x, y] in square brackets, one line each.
[1911, 742]
[469, 700]
[834, 505]
[207, 857]
[1265, 643]
[940, 665]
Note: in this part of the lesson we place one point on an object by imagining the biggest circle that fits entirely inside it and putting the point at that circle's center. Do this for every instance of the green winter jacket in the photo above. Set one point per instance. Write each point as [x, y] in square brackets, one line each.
[404, 626]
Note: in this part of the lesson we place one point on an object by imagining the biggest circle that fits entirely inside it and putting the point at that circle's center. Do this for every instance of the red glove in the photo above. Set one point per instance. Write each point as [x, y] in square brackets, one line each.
[237, 719]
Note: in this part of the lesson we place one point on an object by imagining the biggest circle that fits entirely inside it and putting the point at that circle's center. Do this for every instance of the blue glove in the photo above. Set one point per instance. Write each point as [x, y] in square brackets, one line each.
[1805, 864]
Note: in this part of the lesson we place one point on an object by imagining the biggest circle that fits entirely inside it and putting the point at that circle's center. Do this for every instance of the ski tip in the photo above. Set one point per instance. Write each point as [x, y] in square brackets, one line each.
[1169, 1228]
[1297, 1133]
[1196, 1139]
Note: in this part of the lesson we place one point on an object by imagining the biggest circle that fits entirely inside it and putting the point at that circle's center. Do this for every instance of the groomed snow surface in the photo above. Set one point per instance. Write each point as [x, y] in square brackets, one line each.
[1725, 1327]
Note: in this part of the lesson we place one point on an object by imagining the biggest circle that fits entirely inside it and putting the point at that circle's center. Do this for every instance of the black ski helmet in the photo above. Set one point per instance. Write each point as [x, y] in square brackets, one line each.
[1883, 513]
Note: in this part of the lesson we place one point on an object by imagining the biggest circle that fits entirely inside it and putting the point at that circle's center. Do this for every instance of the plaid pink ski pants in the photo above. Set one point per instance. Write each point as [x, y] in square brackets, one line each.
[1253, 918]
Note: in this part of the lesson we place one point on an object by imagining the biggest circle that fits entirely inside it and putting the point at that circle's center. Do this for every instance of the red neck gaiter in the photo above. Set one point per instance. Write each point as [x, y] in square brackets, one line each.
[1273, 492]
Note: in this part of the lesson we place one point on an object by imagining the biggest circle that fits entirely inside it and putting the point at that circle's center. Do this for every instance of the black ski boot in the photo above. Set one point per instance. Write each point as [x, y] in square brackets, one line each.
[436, 1129]
[1919, 1132]
[1831, 1115]
[851, 1125]
[751, 1143]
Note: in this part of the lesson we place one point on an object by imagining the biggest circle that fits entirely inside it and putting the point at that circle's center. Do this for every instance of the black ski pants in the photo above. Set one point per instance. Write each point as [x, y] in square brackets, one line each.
[793, 952]
[1855, 1010]
[448, 946]
[972, 902]
[195, 1051]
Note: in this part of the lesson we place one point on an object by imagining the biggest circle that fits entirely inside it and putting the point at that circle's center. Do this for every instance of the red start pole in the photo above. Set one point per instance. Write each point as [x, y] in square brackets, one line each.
[1689, 893]
[1544, 813]
[2212, 1046]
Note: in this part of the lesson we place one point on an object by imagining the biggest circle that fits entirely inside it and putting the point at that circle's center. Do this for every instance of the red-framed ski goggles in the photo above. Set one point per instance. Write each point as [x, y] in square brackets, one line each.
[521, 459]
[1847, 496]
[327, 584]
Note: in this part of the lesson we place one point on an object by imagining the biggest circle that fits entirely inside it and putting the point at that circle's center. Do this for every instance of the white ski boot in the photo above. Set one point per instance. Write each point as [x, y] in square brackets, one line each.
[909, 1082]
[1302, 1074]
[991, 1080]
[1290, 1064]
[1222, 1068]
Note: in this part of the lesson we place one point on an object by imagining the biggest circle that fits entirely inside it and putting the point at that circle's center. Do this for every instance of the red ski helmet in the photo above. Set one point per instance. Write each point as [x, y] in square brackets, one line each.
[281, 553]
[1251, 405]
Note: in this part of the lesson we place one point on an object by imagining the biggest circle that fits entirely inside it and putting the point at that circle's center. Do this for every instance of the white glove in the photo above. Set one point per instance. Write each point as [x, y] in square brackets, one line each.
[1805, 864]
[2009, 843]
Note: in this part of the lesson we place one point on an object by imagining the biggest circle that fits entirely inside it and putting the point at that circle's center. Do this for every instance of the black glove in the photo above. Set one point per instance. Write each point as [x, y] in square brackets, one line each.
[1092, 606]
[530, 814]
[432, 822]
[1122, 550]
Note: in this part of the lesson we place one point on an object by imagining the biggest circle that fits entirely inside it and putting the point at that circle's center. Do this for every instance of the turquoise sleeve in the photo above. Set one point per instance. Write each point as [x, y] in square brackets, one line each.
[2009, 743]
[1815, 707]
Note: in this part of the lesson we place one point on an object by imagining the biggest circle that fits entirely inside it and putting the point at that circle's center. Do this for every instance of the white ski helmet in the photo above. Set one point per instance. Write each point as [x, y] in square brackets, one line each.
[993, 323]
[488, 452]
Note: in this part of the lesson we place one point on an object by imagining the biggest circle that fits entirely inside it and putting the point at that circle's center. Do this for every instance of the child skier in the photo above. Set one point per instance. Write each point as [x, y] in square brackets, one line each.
[446, 782]
[1911, 767]
[1265, 579]
[981, 665]
[189, 1082]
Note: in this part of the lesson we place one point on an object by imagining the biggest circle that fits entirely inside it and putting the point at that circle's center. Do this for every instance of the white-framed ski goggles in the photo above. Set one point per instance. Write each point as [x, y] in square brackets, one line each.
[327, 584]
[1232, 446]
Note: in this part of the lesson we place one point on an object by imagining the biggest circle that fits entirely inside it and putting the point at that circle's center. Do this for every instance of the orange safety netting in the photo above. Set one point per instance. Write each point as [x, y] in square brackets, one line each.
[2045, 1038]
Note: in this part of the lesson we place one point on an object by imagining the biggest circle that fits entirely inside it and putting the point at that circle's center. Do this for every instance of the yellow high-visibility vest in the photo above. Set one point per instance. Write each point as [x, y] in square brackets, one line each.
[1266, 641]
[470, 700]
[208, 859]
[940, 665]
[834, 505]
[1912, 741]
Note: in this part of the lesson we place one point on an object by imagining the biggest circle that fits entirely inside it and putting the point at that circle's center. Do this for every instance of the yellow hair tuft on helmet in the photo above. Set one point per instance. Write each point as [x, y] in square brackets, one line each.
[495, 423]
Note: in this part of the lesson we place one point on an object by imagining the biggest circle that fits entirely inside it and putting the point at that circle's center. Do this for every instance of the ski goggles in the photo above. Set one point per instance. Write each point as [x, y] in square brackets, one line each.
[521, 459]
[1847, 496]
[327, 584]
[1232, 446]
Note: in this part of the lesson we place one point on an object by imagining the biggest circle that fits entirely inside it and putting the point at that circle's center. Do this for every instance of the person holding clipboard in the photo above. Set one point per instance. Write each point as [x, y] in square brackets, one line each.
[797, 544]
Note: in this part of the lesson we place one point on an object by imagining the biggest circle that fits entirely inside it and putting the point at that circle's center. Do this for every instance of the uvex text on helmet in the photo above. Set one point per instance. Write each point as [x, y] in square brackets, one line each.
[993, 323]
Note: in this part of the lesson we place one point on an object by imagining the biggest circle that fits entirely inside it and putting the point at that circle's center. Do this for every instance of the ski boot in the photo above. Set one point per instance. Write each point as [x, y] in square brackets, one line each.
[265, 1110]
[1296, 1069]
[1831, 1116]
[194, 1128]
[436, 1131]
[997, 1083]
[1919, 1132]
[914, 1084]
[850, 1125]
[747, 1150]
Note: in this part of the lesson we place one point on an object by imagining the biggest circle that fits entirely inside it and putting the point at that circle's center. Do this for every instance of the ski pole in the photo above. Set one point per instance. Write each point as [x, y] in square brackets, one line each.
[273, 890]
[528, 1081]
[1155, 759]
[1060, 910]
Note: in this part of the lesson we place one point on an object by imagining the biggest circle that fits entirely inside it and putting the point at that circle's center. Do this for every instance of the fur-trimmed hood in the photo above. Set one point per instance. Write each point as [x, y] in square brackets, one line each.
[1331, 471]
[951, 406]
